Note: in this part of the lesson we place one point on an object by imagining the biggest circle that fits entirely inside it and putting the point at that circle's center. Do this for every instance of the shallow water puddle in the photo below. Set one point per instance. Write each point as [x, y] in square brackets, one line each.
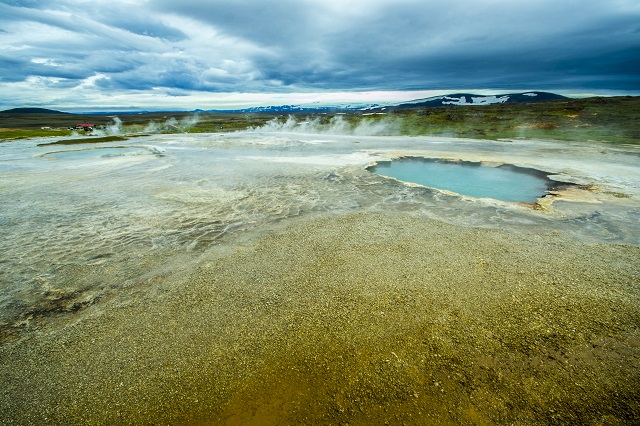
[505, 182]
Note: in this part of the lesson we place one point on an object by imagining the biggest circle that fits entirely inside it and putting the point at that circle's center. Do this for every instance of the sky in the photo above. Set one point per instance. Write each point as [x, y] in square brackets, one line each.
[99, 55]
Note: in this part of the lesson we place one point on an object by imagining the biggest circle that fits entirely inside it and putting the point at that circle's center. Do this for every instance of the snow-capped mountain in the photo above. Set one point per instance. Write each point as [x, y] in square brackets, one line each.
[461, 99]
[306, 108]
[465, 99]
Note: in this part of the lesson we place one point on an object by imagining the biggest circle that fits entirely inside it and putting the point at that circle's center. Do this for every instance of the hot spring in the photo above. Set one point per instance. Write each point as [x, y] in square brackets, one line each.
[259, 277]
[505, 182]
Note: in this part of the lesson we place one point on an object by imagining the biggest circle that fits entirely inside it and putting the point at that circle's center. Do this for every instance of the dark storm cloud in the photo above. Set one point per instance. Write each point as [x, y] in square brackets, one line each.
[298, 45]
[382, 44]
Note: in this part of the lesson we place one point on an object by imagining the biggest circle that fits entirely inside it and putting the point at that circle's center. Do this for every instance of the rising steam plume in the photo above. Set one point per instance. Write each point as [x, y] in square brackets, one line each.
[173, 124]
[337, 125]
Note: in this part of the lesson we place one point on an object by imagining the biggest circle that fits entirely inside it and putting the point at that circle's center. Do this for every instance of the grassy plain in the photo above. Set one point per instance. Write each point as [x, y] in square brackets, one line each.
[19, 126]
[611, 119]
[603, 119]
[82, 141]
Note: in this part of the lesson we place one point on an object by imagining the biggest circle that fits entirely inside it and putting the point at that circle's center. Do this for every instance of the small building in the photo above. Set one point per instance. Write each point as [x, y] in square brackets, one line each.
[87, 127]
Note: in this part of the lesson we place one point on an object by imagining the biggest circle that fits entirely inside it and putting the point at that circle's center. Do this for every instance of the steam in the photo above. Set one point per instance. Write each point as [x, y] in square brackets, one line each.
[112, 129]
[337, 125]
[172, 124]
[153, 127]
[190, 120]
[116, 127]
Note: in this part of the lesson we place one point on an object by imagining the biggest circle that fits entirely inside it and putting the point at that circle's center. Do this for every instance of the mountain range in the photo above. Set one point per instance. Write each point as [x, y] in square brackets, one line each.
[474, 100]
[462, 99]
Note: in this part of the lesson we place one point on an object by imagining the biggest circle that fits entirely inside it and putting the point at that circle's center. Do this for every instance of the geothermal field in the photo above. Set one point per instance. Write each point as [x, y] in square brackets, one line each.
[276, 276]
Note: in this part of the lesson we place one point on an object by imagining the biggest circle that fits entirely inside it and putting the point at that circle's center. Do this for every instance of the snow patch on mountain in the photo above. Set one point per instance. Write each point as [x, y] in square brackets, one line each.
[464, 99]
[480, 100]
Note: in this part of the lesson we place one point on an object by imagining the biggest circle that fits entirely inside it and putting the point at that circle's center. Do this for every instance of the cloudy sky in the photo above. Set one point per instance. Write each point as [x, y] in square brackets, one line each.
[187, 54]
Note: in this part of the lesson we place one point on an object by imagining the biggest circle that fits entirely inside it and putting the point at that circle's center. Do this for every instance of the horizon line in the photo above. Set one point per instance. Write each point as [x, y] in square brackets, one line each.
[310, 100]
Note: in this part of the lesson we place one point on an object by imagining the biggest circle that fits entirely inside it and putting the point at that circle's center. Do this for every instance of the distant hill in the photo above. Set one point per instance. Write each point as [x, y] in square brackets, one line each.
[288, 108]
[31, 111]
[467, 99]
[436, 101]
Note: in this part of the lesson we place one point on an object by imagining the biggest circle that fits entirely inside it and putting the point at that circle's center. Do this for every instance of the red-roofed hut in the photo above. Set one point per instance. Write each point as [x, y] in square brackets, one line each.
[87, 127]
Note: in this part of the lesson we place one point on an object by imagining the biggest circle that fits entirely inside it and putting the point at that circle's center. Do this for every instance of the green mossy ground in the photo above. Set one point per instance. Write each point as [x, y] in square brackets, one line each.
[86, 140]
[603, 119]
[612, 119]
